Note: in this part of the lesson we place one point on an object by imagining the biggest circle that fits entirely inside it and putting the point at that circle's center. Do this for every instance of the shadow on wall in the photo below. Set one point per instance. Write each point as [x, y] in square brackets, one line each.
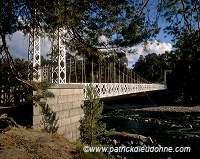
[49, 120]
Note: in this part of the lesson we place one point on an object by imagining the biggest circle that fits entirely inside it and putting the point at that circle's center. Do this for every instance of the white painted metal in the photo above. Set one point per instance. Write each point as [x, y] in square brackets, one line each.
[58, 72]
[34, 54]
[45, 73]
[59, 57]
[117, 89]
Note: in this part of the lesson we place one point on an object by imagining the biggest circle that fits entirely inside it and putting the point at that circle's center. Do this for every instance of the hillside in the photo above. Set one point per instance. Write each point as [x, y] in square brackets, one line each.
[30, 144]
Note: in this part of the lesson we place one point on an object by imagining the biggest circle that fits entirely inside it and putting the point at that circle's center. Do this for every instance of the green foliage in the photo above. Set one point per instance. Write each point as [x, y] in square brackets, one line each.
[15, 93]
[91, 126]
[12, 90]
[39, 97]
[123, 22]
[41, 91]
[184, 63]
[183, 16]
[184, 79]
[152, 66]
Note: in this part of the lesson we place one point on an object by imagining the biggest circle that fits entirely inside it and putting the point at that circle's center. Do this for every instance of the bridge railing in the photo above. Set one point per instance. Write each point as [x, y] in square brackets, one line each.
[109, 89]
[117, 89]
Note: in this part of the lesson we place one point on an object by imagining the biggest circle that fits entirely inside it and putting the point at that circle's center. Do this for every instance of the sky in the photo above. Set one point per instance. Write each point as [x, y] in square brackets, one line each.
[18, 45]
[161, 44]
[153, 47]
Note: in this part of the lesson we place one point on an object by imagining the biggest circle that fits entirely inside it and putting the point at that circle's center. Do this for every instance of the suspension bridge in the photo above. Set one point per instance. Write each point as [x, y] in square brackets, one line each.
[109, 79]
[71, 75]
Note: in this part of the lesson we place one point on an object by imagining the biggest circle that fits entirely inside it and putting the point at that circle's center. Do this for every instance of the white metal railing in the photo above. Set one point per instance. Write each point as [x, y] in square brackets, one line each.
[117, 89]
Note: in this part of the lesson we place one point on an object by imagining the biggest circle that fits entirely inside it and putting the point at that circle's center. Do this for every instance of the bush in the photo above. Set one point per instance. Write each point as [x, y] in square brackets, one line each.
[91, 126]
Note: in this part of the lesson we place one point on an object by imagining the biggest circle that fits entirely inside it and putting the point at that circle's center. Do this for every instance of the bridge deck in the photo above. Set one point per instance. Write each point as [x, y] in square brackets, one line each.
[117, 89]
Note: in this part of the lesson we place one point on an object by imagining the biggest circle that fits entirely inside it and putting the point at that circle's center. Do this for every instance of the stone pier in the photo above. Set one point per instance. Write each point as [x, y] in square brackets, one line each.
[67, 106]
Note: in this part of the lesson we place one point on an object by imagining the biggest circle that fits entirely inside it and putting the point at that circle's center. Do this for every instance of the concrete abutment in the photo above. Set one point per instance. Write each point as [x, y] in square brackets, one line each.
[67, 106]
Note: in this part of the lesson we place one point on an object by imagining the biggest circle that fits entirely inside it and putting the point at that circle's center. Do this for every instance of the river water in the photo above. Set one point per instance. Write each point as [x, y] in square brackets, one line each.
[165, 128]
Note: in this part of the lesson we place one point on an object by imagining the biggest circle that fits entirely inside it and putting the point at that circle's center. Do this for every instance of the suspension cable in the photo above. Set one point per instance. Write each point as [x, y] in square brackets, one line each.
[82, 70]
[70, 69]
[75, 73]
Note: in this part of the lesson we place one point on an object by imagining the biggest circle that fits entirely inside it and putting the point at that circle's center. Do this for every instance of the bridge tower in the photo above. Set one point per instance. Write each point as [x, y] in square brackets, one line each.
[34, 55]
[58, 56]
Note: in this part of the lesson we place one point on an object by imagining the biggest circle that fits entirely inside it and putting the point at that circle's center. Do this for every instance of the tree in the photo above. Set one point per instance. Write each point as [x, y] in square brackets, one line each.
[12, 91]
[184, 79]
[91, 126]
[183, 16]
[152, 66]
[124, 22]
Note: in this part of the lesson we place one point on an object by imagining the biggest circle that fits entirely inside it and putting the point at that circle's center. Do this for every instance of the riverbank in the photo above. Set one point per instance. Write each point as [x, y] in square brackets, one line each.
[168, 126]
[26, 143]
[154, 108]
[180, 109]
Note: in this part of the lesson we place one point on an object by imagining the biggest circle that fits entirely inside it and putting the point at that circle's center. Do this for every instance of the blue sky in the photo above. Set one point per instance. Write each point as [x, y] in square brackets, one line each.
[162, 35]
[159, 45]
[165, 44]
[18, 46]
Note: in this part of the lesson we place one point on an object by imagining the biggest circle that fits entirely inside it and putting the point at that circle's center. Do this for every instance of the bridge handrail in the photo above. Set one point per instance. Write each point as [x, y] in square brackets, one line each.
[117, 89]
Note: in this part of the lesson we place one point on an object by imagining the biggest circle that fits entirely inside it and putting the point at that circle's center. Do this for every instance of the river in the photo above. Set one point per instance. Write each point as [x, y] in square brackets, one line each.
[172, 129]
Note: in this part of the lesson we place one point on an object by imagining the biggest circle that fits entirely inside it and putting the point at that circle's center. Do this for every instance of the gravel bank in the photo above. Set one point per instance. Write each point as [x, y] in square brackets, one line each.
[152, 108]
[170, 109]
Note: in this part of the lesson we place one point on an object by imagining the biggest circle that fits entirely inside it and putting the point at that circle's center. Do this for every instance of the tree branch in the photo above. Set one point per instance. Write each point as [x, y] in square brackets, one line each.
[10, 59]
[185, 18]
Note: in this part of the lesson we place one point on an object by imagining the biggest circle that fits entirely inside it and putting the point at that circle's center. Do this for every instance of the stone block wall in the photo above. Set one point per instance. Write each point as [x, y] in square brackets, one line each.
[67, 106]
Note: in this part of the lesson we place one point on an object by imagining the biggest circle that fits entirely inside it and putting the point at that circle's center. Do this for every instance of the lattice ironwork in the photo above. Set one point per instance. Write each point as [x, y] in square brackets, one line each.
[56, 72]
[34, 55]
[59, 57]
[46, 73]
[116, 89]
